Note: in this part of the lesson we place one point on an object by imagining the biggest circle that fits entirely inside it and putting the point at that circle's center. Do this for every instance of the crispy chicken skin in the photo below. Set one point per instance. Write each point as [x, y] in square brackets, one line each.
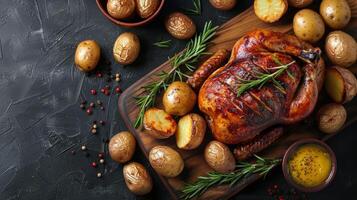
[240, 119]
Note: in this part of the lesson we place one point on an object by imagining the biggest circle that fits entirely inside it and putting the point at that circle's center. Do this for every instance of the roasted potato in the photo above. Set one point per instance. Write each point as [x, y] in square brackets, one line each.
[122, 147]
[336, 13]
[219, 157]
[270, 10]
[159, 124]
[191, 131]
[340, 84]
[331, 118]
[300, 3]
[120, 9]
[223, 4]
[137, 178]
[87, 55]
[308, 25]
[126, 48]
[145, 8]
[166, 161]
[341, 48]
[180, 26]
[179, 99]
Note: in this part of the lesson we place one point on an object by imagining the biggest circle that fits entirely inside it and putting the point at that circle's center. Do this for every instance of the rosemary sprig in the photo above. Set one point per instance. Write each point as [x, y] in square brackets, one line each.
[179, 63]
[196, 10]
[263, 78]
[261, 166]
[163, 44]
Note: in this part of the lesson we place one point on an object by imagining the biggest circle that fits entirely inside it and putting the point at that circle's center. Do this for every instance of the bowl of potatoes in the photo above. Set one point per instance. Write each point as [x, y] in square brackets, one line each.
[130, 13]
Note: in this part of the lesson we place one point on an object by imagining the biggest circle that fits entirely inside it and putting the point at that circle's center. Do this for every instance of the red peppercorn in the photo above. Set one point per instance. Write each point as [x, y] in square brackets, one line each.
[107, 92]
[281, 197]
[99, 75]
[100, 155]
[117, 90]
[94, 164]
[93, 92]
[92, 105]
[89, 111]
[102, 90]
[275, 186]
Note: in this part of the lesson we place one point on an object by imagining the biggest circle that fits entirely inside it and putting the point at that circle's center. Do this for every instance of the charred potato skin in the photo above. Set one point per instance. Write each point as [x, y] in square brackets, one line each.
[219, 157]
[155, 129]
[180, 26]
[223, 4]
[126, 48]
[268, 15]
[145, 8]
[341, 48]
[137, 178]
[308, 25]
[331, 118]
[197, 130]
[122, 147]
[300, 3]
[87, 55]
[166, 161]
[336, 13]
[179, 99]
[120, 9]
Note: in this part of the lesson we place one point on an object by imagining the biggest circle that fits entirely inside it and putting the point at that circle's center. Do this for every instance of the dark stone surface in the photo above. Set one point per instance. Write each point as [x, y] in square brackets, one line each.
[40, 91]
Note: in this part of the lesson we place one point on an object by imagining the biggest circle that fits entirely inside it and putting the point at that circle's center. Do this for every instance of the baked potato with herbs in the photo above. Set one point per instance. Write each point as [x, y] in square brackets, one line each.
[219, 157]
[270, 10]
[166, 161]
[340, 84]
[122, 147]
[336, 13]
[308, 25]
[179, 98]
[341, 48]
[191, 131]
[159, 124]
[87, 55]
[331, 118]
[137, 178]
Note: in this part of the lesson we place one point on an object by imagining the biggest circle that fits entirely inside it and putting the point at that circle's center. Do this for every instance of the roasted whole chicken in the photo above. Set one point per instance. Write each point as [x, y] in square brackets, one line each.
[253, 118]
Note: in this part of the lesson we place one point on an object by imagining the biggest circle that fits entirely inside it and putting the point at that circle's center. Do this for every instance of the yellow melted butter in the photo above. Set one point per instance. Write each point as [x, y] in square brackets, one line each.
[310, 165]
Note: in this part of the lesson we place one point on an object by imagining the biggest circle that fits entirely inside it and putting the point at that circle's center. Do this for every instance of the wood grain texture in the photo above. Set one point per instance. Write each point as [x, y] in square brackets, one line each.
[195, 165]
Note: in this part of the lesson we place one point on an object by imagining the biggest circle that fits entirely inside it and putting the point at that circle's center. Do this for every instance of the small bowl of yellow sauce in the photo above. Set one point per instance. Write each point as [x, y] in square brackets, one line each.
[309, 165]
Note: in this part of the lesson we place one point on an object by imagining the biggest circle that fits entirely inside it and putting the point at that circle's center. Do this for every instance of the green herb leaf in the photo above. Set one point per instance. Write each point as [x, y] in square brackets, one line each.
[163, 44]
[196, 10]
[179, 63]
[261, 166]
[264, 78]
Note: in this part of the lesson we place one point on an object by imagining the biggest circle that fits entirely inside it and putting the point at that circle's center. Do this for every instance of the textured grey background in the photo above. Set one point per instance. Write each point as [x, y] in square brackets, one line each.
[40, 91]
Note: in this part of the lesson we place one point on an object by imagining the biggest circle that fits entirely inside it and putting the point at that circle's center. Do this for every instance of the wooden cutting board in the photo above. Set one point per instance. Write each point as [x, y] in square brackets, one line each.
[195, 165]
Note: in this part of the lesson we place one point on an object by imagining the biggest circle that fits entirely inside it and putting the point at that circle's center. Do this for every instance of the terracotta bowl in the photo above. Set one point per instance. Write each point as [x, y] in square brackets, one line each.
[292, 150]
[102, 5]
